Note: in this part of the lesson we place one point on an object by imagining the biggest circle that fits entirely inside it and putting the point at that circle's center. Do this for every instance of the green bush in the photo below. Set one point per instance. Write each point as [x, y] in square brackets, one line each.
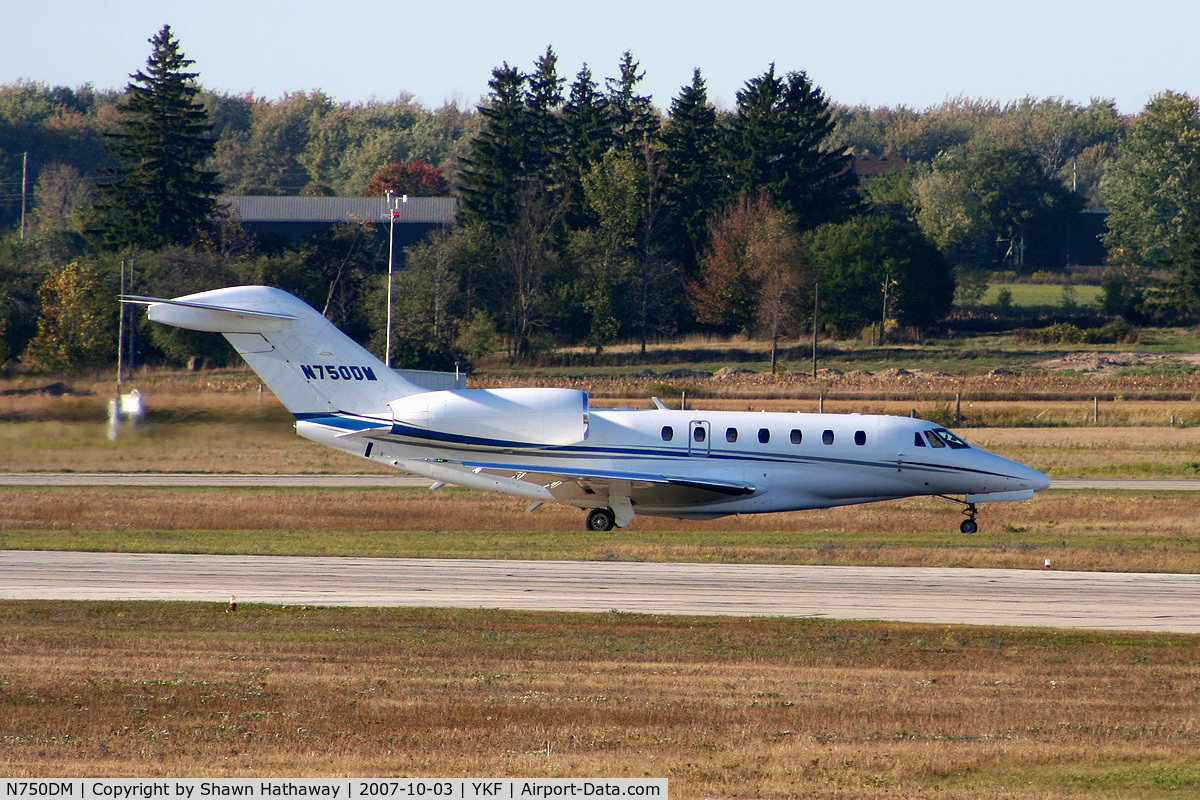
[1117, 332]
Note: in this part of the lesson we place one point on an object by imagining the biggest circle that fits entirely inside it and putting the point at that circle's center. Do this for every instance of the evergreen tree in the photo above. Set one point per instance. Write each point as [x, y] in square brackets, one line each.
[631, 116]
[776, 144]
[694, 180]
[545, 140]
[583, 116]
[494, 170]
[586, 139]
[157, 194]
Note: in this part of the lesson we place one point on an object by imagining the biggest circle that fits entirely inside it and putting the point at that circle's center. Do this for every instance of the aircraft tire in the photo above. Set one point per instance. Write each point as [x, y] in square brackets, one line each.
[601, 519]
[969, 526]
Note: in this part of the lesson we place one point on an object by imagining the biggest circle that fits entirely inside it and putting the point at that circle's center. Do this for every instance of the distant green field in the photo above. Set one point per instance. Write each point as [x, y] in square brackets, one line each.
[1043, 294]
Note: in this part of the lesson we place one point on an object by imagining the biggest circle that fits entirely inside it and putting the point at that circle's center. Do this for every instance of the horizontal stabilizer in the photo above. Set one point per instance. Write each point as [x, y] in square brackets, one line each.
[198, 316]
[145, 301]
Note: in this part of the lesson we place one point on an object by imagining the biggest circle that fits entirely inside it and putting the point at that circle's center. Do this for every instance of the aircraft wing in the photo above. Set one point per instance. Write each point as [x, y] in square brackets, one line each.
[567, 485]
[602, 478]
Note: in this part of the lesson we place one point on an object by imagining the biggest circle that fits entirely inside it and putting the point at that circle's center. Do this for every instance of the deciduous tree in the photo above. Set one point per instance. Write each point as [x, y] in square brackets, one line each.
[1149, 189]
[857, 258]
[77, 323]
[415, 178]
[976, 205]
[753, 271]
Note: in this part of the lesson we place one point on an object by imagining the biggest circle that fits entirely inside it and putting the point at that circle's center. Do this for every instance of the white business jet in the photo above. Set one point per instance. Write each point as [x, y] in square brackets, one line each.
[547, 445]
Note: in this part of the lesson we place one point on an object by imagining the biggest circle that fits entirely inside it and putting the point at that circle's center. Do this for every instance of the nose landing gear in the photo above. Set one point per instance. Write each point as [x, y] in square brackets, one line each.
[969, 525]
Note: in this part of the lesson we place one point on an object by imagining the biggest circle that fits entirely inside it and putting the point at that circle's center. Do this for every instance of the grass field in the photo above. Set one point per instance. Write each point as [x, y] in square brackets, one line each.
[1044, 295]
[1127, 531]
[754, 708]
[1127, 449]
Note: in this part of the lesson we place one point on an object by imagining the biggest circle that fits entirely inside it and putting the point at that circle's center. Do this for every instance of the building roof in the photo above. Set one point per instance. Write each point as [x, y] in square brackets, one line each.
[256, 208]
[865, 164]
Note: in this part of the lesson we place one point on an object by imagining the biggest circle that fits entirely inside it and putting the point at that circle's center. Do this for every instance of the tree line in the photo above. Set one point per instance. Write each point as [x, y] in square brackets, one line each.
[587, 214]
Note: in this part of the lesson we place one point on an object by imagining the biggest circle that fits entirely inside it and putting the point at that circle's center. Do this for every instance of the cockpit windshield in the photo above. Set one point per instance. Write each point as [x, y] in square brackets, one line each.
[939, 437]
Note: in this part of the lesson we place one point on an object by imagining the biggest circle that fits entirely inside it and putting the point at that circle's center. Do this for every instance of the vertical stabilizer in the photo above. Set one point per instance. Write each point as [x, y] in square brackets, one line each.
[309, 364]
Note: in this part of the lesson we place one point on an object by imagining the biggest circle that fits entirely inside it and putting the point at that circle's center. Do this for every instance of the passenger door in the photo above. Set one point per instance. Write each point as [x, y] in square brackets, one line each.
[699, 438]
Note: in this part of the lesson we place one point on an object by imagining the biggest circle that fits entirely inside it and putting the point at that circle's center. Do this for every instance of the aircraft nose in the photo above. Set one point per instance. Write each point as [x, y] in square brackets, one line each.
[1034, 479]
[1013, 476]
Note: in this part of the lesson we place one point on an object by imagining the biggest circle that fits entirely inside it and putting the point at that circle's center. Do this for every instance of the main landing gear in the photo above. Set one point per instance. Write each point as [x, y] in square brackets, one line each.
[601, 519]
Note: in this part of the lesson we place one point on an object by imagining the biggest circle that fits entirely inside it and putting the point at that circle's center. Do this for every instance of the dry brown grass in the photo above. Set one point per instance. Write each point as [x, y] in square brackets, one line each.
[219, 422]
[1078, 530]
[721, 707]
[246, 447]
[273, 447]
[1099, 451]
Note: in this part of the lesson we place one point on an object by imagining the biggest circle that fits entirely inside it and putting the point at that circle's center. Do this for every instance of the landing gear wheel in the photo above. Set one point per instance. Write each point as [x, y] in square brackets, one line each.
[601, 519]
[969, 525]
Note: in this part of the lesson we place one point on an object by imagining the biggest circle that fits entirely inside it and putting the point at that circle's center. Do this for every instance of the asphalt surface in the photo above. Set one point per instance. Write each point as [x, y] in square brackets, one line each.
[1147, 602]
[400, 479]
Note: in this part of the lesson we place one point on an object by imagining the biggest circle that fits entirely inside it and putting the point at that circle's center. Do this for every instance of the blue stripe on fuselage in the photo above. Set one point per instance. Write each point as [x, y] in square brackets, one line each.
[423, 437]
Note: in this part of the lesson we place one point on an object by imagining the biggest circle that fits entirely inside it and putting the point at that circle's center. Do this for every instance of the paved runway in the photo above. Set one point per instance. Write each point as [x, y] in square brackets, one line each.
[401, 479]
[1148, 602]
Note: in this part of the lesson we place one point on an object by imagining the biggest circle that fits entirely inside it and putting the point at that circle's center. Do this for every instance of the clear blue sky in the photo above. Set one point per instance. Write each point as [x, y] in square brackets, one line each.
[915, 53]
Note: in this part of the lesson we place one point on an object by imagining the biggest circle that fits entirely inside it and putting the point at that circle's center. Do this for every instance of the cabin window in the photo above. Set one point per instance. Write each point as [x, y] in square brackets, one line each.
[797, 436]
[934, 440]
[827, 437]
[764, 435]
[917, 440]
[698, 433]
[860, 438]
[668, 433]
[731, 435]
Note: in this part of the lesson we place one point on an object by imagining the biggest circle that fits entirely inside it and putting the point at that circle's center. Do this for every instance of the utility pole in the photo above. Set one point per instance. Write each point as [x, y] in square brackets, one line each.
[393, 207]
[24, 192]
[121, 335]
[816, 308]
[888, 283]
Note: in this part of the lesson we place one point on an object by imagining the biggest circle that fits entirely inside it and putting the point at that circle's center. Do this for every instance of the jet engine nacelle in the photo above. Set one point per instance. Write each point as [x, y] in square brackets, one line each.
[498, 417]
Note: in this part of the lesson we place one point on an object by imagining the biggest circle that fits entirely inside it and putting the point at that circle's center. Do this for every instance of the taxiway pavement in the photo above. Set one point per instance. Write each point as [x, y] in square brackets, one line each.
[1124, 601]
